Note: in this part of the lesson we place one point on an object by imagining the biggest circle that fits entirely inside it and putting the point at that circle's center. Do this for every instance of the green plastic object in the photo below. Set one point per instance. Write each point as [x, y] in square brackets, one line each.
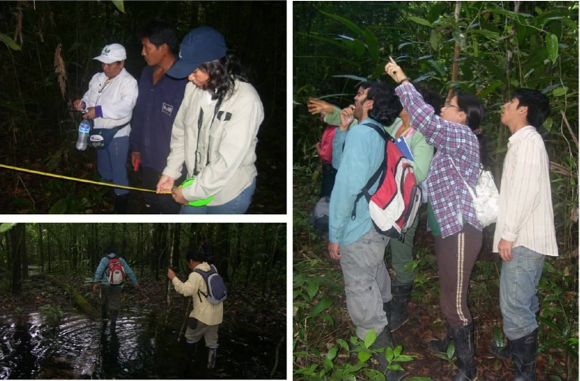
[203, 202]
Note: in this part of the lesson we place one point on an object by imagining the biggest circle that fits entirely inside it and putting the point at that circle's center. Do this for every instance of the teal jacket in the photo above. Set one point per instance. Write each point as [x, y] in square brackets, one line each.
[101, 272]
[364, 151]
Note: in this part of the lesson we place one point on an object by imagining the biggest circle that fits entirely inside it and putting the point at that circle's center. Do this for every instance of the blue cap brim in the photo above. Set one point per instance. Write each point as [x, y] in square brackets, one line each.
[182, 69]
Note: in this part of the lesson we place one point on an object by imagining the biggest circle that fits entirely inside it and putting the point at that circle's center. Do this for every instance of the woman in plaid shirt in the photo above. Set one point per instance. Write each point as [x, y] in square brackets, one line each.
[451, 215]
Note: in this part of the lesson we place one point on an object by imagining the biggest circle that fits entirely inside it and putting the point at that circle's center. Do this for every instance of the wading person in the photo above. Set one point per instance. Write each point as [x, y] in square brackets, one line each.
[159, 99]
[111, 273]
[206, 317]
[524, 232]
[109, 102]
[451, 214]
[354, 241]
[215, 130]
[401, 250]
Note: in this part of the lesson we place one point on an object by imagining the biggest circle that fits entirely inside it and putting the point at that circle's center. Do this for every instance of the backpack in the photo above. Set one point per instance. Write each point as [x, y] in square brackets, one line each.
[115, 272]
[395, 203]
[216, 288]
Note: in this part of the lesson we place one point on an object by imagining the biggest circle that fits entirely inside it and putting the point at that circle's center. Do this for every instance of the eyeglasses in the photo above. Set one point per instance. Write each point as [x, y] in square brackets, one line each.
[447, 104]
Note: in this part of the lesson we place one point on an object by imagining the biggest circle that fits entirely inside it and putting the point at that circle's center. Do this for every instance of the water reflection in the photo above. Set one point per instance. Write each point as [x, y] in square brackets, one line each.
[77, 348]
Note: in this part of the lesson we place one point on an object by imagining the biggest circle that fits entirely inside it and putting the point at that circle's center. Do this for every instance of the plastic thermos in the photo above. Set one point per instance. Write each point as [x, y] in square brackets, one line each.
[84, 131]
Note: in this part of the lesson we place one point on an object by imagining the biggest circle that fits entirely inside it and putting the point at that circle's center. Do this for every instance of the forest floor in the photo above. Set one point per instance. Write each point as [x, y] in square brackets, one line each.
[248, 321]
[314, 337]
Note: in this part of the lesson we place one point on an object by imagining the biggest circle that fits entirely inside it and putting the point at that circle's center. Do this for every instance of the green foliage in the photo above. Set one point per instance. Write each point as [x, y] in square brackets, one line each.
[53, 313]
[4, 227]
[9, 42]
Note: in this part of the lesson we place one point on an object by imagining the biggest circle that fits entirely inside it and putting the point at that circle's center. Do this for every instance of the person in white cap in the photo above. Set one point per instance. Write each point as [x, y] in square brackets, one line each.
[109, 102]
[215, 130]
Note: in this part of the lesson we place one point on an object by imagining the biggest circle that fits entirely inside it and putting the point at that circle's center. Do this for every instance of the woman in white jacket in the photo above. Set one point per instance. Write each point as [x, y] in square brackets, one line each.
[215, 130]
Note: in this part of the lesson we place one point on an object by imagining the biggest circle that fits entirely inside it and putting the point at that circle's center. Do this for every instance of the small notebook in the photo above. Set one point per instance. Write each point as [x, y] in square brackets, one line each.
[401, 143]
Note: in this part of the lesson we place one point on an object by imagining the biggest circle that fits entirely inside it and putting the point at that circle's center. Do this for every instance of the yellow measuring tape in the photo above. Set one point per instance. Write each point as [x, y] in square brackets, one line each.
[79, 180]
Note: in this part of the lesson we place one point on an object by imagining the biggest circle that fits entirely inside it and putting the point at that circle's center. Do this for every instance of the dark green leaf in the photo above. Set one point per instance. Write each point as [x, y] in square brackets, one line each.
[552, 46]
[450, 350]
[349, 24]
[9, 42]
[372, 44]
[370, 338]
[6, 226]
[420, 21]
[313, 286]
[60, 207]
[321, 306]
[374, 375]
[343, 344]
[363, 356]
[437, 66]
[120, 6]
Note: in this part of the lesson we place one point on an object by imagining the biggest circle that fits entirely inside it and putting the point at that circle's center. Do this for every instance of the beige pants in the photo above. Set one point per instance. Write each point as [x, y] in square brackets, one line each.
[196, 329]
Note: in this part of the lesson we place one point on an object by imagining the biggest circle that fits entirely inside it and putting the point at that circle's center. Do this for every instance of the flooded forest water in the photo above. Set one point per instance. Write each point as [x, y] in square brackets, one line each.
[77, 348]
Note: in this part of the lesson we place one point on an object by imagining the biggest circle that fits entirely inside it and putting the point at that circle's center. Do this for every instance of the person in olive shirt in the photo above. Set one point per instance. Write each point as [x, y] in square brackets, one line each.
[206, 317]
[159, 100]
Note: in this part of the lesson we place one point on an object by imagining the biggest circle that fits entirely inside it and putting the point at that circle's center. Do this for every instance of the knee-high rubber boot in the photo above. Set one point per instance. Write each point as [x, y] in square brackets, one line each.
[385, 339]
[465, 352]
[441, 345]
[387, 309]
[400, 303]
[114, 319]
[524, 357]
[211, 358]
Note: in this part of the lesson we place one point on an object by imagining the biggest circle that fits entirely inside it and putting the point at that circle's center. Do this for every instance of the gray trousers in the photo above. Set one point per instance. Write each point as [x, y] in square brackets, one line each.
[367, 283]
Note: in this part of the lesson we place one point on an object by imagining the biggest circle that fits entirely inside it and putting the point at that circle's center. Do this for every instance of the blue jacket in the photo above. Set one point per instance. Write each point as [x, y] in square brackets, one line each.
[153, 117]
[364, 152]
[101, 271]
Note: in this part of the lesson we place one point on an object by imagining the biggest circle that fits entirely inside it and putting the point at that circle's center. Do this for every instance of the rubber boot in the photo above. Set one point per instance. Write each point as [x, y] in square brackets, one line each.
[190, 370]
[121, 203]
[385, 339]
[211, 357]
[504, 352]
[465, 352]
[191, 351]
[442, 344]
[523, 352]
[114, 320]
[399, 303]
[387, 309]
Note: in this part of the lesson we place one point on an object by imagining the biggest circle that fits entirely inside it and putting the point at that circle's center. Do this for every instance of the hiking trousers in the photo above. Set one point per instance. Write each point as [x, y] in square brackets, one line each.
[367, 283]
[111, 296]
[456, 256]
[196, 330]
[402, 255]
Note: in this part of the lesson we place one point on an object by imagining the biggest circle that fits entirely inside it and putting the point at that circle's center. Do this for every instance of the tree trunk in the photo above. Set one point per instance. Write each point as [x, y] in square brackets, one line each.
[24, 254]
[17, 241]
[40, 248]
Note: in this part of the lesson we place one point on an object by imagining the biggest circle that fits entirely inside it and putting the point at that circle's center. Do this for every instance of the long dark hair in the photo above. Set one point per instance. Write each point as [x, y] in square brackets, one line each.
[222, 75]
[473, 109]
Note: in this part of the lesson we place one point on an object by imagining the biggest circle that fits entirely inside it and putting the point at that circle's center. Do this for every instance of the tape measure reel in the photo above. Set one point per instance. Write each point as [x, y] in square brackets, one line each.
[202, 202]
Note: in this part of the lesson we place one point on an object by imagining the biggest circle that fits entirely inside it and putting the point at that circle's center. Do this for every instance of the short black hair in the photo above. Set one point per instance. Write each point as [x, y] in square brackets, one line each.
[537, 103]
[160, 31]
[386, 106]
[108, 248]
[195, 255]
[430, 97]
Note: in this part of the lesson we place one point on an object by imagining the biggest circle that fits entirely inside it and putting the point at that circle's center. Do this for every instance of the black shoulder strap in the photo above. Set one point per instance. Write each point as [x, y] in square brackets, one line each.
[380, 171]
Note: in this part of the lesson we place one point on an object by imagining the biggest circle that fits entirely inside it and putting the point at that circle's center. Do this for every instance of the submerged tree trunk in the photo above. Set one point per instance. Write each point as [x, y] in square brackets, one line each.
[78, 299]
[40, 248]
[17, 241]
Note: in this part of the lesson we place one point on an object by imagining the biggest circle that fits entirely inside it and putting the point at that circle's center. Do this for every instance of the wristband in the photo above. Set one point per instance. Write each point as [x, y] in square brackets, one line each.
[405, 79]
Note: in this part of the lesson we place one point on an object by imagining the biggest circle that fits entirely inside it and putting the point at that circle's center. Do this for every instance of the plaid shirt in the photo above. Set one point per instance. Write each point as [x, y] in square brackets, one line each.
[448, 195]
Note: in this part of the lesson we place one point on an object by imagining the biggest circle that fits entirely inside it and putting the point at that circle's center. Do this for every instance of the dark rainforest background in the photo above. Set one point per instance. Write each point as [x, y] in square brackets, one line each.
[497, 47]
[47, 62]
[49, 316]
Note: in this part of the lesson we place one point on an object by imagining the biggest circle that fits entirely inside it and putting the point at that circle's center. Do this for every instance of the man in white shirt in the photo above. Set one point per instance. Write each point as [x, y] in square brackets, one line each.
[525, 231]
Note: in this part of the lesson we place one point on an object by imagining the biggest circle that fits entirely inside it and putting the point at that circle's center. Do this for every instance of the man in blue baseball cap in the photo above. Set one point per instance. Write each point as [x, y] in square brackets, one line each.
[215, 130]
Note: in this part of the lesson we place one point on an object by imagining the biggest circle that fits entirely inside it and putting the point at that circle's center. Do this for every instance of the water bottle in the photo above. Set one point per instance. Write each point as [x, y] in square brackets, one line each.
[84, 130]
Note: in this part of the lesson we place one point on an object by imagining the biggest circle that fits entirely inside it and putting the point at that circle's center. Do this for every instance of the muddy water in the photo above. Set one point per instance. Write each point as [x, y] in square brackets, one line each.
[77, 347]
